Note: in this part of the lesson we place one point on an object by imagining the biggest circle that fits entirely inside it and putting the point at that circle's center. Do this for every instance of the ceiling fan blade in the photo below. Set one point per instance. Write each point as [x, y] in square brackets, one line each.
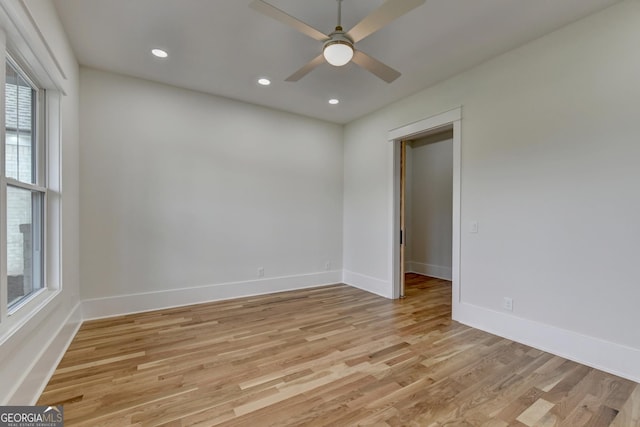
[287, 19]
[390, 10]
[376, 67]
[306, 69]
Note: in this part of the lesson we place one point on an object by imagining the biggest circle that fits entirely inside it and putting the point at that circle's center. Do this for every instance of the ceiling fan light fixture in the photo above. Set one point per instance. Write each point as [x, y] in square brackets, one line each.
[338, 47]
[338, 52]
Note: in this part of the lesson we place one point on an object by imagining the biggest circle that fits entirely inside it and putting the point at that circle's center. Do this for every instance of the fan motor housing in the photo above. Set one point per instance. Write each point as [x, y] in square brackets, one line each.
[338, 37]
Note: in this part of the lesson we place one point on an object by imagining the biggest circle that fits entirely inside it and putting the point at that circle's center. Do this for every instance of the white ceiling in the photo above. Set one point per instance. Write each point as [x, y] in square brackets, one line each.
[222, 46]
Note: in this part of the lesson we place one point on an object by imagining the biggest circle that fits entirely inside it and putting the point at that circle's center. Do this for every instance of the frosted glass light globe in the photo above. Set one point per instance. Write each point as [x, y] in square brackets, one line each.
[338, 53]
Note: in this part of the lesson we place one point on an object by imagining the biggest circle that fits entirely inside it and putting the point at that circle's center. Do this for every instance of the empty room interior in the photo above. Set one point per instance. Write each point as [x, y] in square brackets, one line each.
[321, 212]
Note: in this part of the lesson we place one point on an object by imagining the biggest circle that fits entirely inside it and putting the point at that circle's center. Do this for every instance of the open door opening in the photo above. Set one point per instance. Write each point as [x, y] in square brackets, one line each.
[426, 209]
[424, 131]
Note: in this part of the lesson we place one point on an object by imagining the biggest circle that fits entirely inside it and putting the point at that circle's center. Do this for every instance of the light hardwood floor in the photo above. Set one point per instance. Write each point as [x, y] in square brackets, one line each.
[335, 356]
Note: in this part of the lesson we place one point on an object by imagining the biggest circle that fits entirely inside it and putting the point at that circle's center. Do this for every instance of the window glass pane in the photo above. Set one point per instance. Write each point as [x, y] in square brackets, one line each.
[20, 149]
[24, 243]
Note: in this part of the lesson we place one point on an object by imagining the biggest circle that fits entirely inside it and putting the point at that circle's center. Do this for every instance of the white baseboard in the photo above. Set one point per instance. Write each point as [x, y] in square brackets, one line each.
[44, 365]
[97, 308]
[366, 283]
[606, 356]
[437, 271]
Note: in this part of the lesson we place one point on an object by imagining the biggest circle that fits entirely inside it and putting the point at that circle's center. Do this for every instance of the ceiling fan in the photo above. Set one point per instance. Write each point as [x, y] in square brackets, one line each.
[338, 48]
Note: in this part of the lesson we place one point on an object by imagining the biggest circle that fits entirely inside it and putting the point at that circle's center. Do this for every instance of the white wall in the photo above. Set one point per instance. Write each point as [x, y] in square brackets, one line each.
[549, 170]
[30, 354]
[429, 207]
[183, 190]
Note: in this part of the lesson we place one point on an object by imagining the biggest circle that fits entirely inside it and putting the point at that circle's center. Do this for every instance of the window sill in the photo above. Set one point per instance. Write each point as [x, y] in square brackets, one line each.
[38, 305]
[24, 302]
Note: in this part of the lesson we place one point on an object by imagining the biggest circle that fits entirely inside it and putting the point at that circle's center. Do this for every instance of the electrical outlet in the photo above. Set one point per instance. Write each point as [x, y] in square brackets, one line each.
[327, 265]
[507, 303]
[260, 271]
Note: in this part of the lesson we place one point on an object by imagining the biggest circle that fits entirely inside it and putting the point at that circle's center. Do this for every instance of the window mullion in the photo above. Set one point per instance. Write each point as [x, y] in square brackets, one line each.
[25, 185]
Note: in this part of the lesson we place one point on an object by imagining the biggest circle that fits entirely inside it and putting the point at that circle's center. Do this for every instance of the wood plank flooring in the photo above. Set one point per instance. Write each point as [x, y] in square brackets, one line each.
[334, 356]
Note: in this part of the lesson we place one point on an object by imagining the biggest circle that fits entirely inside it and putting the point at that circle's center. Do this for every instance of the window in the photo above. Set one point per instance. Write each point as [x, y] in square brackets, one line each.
[32, 89]
[24, 177]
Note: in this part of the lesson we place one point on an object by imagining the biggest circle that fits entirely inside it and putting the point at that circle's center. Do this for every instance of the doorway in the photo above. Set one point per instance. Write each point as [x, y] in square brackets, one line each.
[428, 204]
[447, 121]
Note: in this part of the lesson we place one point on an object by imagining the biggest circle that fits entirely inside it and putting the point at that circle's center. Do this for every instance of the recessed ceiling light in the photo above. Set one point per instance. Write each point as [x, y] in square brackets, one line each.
[159, 53]
[264, 81]
[334, 101]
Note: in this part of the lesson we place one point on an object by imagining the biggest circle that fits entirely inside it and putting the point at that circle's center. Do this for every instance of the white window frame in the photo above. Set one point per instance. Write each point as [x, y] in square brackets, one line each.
[34, 60]
[40, 185]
